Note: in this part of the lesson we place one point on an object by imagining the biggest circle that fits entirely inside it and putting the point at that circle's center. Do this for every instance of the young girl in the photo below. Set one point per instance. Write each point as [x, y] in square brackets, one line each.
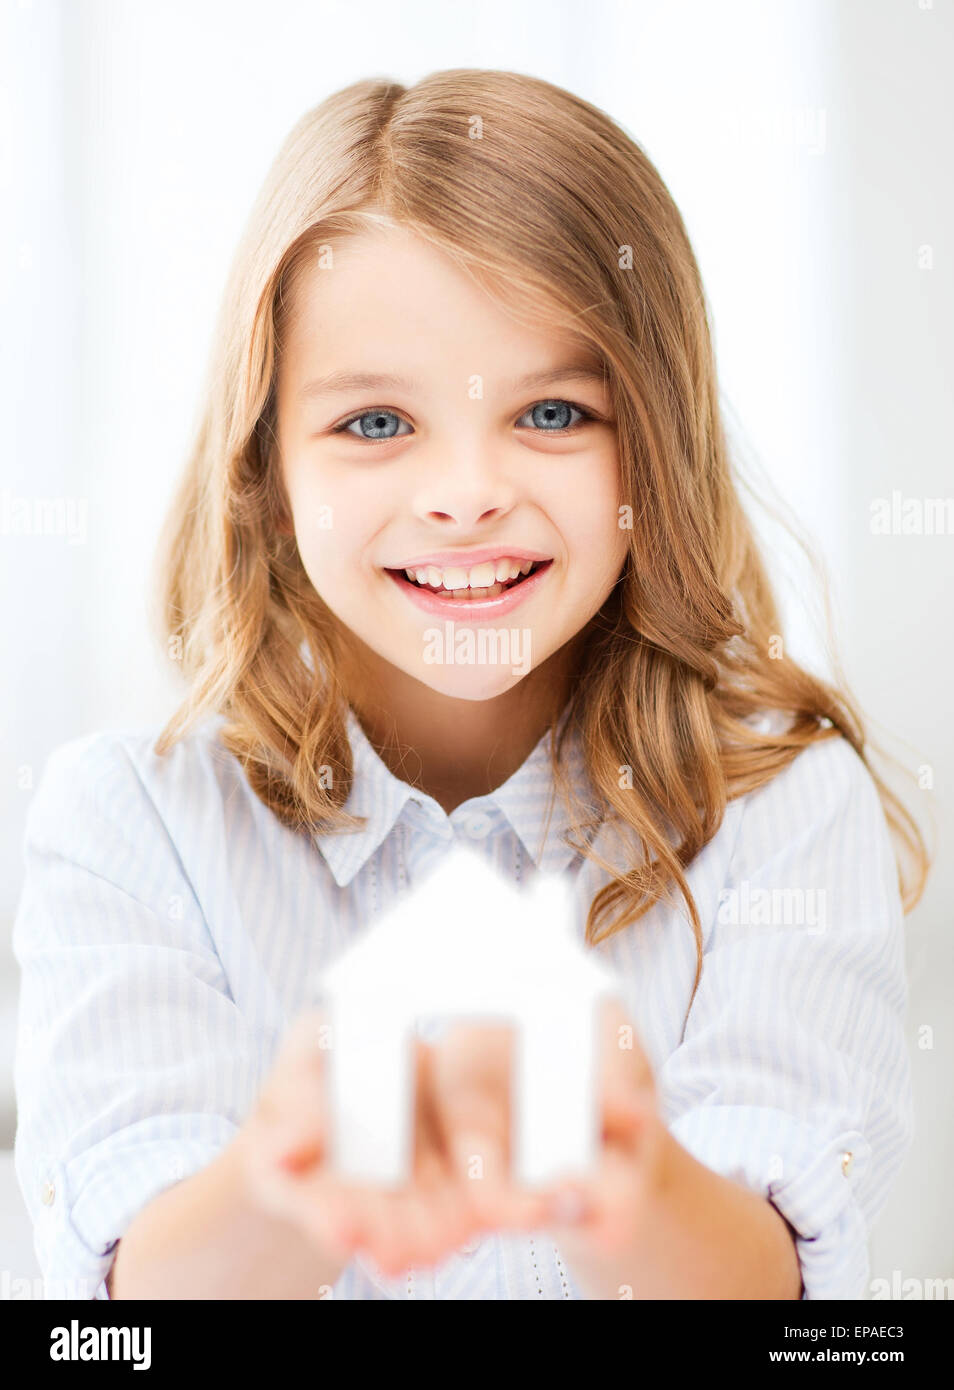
[463, 388]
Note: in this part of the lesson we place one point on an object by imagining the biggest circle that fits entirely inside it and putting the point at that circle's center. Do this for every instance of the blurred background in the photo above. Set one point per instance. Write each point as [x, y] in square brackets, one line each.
[805, 142]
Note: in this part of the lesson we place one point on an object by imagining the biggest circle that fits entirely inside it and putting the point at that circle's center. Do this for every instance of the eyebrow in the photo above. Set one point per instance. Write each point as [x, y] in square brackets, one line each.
[338, 382]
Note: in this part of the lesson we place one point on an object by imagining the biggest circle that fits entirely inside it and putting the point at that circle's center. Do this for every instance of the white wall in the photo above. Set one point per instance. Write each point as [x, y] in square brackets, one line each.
[807, 144]
[892, 201]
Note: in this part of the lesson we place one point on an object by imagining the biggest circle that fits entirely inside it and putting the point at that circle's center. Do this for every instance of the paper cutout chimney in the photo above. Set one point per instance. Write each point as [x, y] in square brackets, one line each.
[467, 945]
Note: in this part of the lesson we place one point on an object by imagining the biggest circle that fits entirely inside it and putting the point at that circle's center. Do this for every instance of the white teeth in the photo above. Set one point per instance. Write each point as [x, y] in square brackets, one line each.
[482, 576]
[455, 579]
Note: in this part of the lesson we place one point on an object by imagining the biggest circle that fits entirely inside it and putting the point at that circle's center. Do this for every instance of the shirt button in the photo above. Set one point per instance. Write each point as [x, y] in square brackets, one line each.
[847, 1162]
[471, 1246]
[478, 825]
[47, 1193]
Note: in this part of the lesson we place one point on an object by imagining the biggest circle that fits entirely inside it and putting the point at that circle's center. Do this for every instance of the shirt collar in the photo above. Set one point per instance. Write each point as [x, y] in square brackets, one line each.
[523, 799]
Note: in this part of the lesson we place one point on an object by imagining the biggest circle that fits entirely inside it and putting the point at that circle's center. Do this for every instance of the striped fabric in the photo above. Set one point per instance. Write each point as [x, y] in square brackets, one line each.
[170, 928]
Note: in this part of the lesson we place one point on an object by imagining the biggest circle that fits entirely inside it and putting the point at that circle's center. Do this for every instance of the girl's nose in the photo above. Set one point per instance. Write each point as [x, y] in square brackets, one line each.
[469, 489]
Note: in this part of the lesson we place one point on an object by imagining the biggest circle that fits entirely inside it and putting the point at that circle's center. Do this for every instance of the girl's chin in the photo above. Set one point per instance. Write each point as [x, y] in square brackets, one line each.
[476, 684]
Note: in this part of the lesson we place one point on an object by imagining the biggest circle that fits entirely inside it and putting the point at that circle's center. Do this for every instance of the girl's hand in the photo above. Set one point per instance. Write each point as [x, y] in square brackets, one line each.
[284, 1145]
[600, 1215]
[594, 1216]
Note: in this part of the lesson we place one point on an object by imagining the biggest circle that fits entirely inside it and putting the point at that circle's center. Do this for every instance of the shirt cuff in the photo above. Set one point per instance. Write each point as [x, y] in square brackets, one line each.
[79, 1224]
[809, 1172]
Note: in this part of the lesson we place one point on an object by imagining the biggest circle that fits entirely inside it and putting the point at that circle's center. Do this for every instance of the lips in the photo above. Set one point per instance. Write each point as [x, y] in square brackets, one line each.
[493, 603]
[445, 559]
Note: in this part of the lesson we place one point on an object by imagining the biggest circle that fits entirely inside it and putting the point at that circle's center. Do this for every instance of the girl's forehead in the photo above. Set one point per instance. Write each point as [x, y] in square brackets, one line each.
[339, 329]
[394, 270]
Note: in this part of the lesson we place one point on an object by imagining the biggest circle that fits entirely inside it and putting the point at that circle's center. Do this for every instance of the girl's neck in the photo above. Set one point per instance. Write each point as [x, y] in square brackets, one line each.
[456, 749]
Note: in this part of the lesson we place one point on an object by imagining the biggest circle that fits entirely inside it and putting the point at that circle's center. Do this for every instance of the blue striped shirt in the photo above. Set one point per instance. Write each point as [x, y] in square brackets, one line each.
[170, 928]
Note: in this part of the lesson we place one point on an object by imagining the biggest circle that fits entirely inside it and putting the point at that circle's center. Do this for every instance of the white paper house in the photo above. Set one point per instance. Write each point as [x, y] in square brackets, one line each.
[467, 945]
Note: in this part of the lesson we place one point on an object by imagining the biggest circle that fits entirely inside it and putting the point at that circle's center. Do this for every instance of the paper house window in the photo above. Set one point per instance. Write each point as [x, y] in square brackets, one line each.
[467, 945]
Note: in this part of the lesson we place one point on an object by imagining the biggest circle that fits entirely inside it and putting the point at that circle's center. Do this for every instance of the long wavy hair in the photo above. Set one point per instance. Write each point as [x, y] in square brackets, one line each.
[544, 200]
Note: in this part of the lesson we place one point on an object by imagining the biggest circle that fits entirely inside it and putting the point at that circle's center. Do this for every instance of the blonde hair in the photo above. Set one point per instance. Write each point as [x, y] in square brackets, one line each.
[529, 187]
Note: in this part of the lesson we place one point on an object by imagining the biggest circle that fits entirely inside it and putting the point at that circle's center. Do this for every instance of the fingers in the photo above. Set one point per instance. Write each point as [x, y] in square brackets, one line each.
[308, 1198]
[418, 1225]
[426, 1220]
[605, 1209]
[628, 1091]
[470, 1089]
[293, 1111]
[434, 1170]
[461, 1181]
[285, 1142]
[471, 1084]
[607, 1206]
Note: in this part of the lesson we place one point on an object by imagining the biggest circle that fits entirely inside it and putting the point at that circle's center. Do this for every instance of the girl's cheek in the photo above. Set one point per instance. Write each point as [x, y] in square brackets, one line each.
[335, 558]
[603, 539]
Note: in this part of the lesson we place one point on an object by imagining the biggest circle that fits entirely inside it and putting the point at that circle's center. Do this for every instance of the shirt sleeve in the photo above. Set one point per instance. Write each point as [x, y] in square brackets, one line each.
[793, 1076]
[133, 1067]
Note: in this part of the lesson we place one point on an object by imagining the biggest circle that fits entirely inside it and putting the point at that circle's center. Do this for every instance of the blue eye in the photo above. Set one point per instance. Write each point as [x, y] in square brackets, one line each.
[553, 417]
[381, 424]
[548, 417]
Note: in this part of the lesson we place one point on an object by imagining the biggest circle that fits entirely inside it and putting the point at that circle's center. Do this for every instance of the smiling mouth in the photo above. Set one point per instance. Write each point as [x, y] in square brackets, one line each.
[490, 591]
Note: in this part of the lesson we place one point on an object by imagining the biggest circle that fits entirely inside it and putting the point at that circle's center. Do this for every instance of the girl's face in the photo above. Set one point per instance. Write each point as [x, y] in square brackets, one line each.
[420, 428]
